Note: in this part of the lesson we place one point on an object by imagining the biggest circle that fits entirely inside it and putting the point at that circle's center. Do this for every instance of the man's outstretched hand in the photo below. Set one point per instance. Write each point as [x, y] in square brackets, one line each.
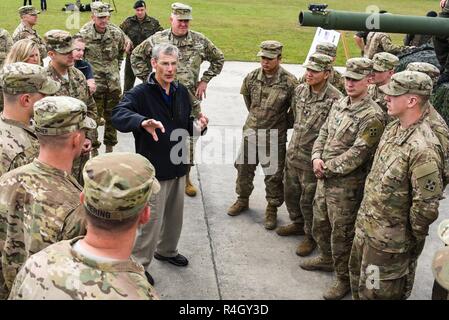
[151, 125]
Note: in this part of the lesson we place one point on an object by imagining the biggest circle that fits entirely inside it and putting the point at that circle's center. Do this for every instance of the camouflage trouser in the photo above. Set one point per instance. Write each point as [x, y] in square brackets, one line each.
[78, 165]
[377, 274]
[130, 78]
[106, 101]
[299, 190]
[274, 188]
[335, 209]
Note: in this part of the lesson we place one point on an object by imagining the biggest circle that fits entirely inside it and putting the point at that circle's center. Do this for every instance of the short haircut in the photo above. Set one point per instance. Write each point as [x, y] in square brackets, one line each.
[112, 225]
[78, 37]
[54, 141]
[165, 48]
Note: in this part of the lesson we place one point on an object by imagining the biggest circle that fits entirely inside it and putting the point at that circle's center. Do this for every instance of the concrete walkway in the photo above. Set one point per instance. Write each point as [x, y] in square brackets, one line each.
[235, 257]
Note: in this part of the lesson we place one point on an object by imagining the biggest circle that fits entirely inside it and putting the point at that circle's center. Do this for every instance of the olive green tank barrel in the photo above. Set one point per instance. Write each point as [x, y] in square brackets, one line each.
[391, 23]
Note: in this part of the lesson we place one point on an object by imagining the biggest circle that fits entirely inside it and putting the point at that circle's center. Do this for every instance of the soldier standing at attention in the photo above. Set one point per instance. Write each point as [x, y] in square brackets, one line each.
[73, 84]
[310, 105]
[268, 93]
[138, 28]
[335, 77]
[28, 16]
[117, 189]
[23, 84]
[341, 156]
[40, 202]
[105, 46]
[5, 45]
[402, 194]
[194, 48]
[384, 64]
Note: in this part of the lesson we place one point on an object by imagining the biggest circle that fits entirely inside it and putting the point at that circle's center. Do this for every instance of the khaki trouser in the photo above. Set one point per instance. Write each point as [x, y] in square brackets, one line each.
[161, 234]
[299, 191]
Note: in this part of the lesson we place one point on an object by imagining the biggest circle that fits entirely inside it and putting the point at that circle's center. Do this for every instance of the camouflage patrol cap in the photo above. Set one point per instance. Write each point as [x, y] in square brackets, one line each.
[28, 10]
[21, 77]
[319, 62]
[326, 48]
[384, 61]
[358, 68]
[427, 68]
[270, 49]
[55, 116]
[118, 185]
[440, 262]
[408, 82]
[100, 9]
[59, 40]
[182, 11]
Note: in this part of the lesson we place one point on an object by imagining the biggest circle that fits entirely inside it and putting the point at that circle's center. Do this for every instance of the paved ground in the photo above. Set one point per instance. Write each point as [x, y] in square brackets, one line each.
[235, 257]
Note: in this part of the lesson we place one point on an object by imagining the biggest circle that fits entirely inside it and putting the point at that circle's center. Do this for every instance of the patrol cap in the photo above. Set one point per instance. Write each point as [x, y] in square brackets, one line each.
[118, 185]
[427, 68]
[319, 62]
[59, 40]
[21, 77]
[326, 48]
[408, 82]
[28, 10]
[182, 11]
[59, 115]
[139, 4]
[358, 68]
[384, 61]
[100, 9]
[270, 49]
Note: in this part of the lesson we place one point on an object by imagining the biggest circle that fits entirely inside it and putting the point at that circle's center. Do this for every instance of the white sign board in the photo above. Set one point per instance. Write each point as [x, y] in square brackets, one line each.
[323, 35]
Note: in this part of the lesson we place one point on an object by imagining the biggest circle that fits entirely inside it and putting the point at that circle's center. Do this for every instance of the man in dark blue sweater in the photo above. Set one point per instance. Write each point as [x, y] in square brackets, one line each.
[157, 112]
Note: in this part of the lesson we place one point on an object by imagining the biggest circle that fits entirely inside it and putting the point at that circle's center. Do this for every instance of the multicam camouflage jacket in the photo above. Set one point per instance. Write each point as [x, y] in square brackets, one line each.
[5, 45]
[381, 42]
[268, 100]
[349, 137]
[39, 205]
[310, 111]
[194, 48]
[18, 145]
[24, 32]
[59, 272]
[104, 51]
[403, 189]
[76, 87]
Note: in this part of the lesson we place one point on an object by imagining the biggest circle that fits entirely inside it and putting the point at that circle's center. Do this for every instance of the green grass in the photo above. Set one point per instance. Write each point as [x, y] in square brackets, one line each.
[235, 26]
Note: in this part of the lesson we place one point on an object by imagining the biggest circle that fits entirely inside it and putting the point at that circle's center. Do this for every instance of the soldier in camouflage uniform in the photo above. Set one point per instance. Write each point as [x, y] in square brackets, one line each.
[268, 92]
[311, 104]
[39, 202]
[441, 44]
[138, 28]
[335, 77]
[105, 46]
[117, 189]
[194, 48]
[23, 84]
[24, 30]
[341, 156]
[384, 64]
[436, 121]
[381, 42]
[402, 194]
[5, 45]
[73, 84]
[440, 265]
